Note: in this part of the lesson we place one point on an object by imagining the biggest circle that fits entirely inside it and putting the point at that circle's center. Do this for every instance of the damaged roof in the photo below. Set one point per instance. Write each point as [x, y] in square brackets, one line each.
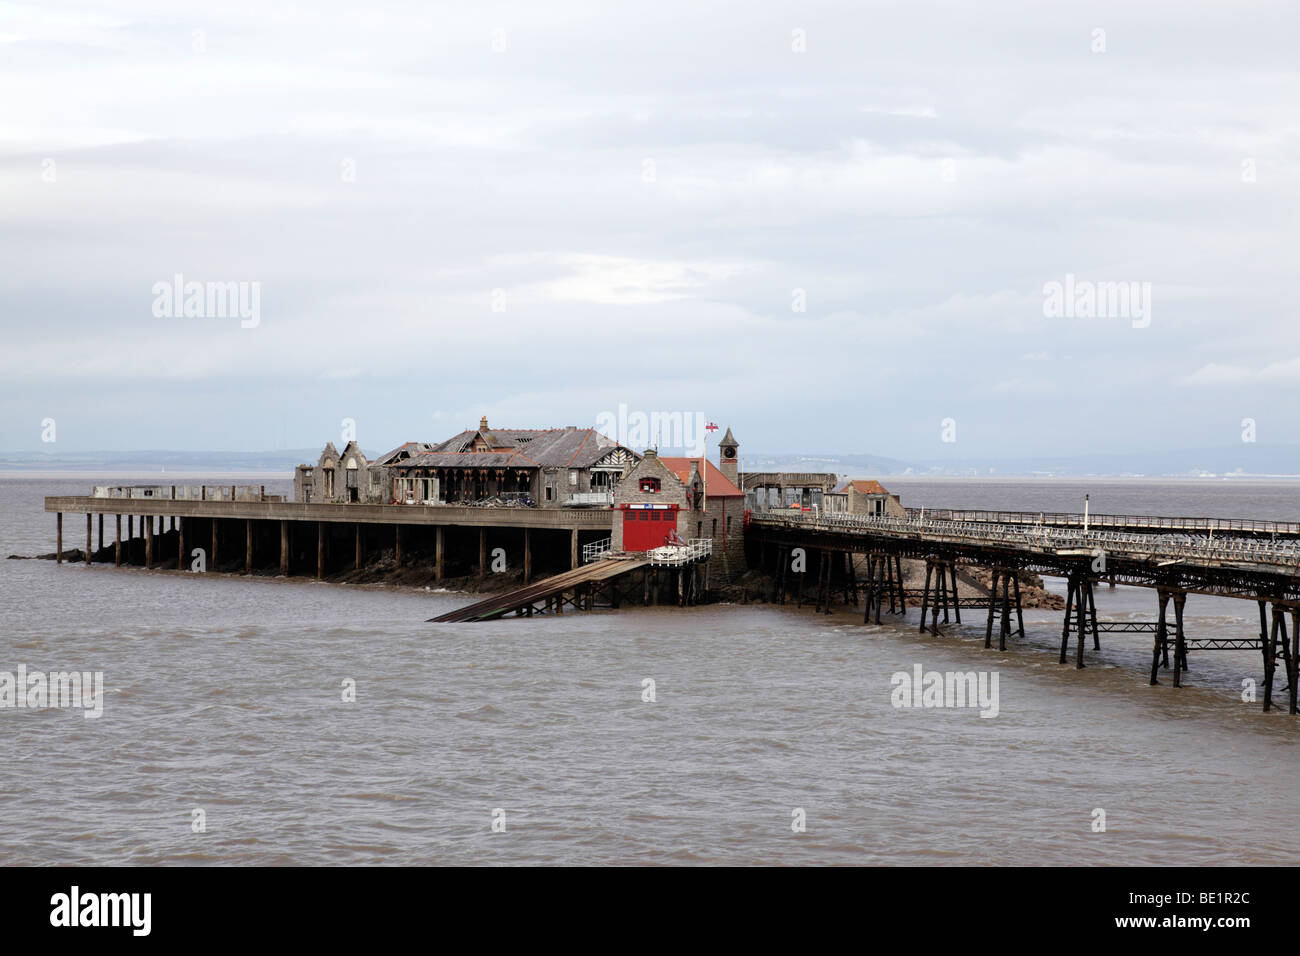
[518, 448]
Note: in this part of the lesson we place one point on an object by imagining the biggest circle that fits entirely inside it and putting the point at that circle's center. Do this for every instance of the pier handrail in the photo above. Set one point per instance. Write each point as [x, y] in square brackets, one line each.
[695, 549]
[1076, 519]
[590, 552]
[1044, 537]
[590, 498]
[185, 492]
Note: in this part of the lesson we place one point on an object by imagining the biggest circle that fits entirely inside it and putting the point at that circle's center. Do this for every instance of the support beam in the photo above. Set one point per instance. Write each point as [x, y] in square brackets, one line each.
[356, 563]
[482, 552]
[148, 543]
[940, 594]
[1020, 613]
[1162, 636]
[1071, 585]
[573, 548]
[1293, 660]
[117, 543]
[1006, 611]
[870, 589]
[880, 586]
[1092, 608]
[284, 549]
[993, 601]
[1270, 659]
[1180, 645]
[925, 596]
[320, 550]
[88, 530]
[181, 563]
[101, 533]
[528, 556]
[248, 542]
[902, 593]
[956, 600]
[1081, 604]
[438, 554]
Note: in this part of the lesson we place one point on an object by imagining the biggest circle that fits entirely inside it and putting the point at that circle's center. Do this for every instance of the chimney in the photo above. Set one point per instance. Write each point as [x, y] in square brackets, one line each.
[482, 424]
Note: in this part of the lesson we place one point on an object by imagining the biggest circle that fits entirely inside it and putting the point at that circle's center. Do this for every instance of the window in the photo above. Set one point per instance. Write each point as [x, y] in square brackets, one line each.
[643, 516]
[654, 516]
[714, 533]
[650, 485]
[728, 524]
[550, 493]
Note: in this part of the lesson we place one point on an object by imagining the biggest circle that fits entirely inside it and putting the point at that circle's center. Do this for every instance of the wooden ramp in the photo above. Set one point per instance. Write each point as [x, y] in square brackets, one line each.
[554, 586]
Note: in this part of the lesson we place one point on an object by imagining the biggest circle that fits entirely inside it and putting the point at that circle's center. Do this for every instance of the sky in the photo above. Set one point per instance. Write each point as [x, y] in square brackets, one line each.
[833, 227]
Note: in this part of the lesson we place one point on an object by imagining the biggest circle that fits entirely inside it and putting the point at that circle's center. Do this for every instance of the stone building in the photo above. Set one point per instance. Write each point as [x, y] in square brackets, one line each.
[347, 478]
[864, 497]
[672, 500]
[544, 468]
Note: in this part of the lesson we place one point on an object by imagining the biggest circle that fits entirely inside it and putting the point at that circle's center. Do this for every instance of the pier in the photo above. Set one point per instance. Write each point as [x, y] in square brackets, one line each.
[1173, 565]
[572, 556]
[240, 528]
[1207, 528]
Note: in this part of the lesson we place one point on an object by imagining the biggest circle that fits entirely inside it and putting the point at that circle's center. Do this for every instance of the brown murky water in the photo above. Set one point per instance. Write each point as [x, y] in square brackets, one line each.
[224, 695]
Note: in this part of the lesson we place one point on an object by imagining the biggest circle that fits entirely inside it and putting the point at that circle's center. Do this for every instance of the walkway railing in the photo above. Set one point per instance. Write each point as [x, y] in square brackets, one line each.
[1046, 538]
[1227, 526]
[586, 498]
[695, 549]
[590, 552]
[186, 492]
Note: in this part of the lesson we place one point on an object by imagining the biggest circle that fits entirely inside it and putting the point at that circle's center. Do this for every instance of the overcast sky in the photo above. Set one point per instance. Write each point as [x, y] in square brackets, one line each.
[538, 211]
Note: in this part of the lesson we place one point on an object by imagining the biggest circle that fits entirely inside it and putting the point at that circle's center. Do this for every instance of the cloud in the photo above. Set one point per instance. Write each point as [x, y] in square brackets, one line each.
[381, 172]
[1285, 372]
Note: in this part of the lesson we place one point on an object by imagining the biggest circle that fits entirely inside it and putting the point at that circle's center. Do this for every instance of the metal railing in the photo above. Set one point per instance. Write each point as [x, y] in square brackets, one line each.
[590, 552]
[186, 492]
[591, 498]
[1059, 541]
[695, 549]
[1076, 519]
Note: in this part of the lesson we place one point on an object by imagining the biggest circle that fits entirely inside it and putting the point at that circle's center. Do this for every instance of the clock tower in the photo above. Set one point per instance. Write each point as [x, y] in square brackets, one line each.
[729, 457]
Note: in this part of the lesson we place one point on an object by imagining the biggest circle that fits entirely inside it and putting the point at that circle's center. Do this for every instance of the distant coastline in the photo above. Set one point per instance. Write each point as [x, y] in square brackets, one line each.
[153, 477]
[191, 473]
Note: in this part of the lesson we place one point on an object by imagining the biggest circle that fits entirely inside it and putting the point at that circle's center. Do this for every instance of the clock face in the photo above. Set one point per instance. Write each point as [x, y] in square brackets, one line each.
[730, 452]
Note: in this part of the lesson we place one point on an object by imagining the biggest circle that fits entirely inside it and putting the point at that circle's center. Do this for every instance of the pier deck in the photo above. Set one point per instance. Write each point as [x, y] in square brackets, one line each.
[1246, 566]
[596, 519]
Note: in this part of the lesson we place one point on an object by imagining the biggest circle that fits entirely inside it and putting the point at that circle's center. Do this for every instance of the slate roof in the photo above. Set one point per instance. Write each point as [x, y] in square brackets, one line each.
[518, 448]
[410, 447]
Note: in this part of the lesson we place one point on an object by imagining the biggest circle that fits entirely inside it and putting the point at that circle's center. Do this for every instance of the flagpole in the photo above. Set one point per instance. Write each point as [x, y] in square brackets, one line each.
[704, 473]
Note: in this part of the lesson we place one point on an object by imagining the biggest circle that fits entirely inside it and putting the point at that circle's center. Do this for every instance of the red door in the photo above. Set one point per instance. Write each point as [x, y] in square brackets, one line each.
[647, 528]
